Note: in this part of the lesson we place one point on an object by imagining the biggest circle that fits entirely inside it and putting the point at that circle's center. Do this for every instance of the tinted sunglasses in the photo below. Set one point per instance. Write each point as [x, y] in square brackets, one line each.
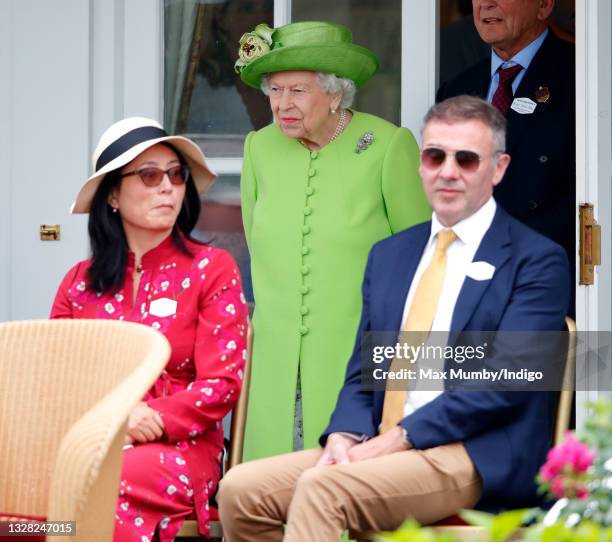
[153, 176]
[434, 157]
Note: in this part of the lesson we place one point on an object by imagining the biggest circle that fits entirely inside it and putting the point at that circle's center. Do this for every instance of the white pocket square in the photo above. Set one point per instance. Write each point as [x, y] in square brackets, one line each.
[480, 271]
[162, 307]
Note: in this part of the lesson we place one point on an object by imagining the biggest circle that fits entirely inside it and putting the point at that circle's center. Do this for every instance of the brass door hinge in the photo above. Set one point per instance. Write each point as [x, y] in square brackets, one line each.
[590, 244]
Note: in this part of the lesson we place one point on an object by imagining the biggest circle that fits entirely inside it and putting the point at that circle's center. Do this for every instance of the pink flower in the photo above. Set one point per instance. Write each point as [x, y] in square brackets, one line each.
[195, 429]
[182, 445]
[582, 493]
[547, 472]
[570, 456]
[557, 488]
[566, 467]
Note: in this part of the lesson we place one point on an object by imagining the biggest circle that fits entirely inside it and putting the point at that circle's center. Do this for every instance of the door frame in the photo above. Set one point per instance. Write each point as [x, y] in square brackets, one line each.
[594, 167]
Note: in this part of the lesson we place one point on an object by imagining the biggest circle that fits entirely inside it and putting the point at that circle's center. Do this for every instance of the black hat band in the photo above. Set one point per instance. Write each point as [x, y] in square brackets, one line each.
[126, 142]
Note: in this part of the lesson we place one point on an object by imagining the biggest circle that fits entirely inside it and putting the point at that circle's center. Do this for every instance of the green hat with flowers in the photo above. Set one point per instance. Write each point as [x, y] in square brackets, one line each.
[310, 46]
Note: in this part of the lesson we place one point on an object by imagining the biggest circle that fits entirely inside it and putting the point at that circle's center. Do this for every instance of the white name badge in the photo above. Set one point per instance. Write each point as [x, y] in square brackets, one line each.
[163, 307]
[480, 270]
[524, 106]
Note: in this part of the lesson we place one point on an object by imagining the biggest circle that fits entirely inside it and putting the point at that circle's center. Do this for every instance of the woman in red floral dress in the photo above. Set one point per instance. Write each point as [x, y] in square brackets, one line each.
[143, 203]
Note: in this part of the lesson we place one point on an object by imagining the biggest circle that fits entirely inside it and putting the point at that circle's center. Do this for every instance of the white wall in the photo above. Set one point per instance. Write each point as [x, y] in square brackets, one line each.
[6, 174]
[69, 69]
[45, 136]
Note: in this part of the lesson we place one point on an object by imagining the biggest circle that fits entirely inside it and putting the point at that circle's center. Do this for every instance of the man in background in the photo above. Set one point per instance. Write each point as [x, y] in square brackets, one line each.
[530, 78]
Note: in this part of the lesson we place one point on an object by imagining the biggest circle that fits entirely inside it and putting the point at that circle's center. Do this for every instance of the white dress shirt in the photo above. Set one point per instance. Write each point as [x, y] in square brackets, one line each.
[523, 57]
[460, 254]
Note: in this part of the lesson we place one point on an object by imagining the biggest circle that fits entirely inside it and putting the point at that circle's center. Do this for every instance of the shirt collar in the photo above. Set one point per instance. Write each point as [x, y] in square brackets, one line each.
[156, 255]
[523, 57]
[472, 229]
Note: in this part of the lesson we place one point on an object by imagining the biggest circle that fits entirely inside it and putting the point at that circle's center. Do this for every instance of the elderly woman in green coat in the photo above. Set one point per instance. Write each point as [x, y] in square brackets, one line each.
[319, 187]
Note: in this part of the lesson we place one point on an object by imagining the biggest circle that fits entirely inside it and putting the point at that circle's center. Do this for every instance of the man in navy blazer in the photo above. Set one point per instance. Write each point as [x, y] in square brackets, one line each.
[539, 187]
[452, 449]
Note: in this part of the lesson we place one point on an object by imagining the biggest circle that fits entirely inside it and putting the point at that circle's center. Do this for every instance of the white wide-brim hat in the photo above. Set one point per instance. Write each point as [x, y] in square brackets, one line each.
[124, 141]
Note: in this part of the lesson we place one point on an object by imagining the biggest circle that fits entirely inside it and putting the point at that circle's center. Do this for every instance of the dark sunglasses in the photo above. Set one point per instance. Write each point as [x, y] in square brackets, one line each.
[153, 176]
[434, 157]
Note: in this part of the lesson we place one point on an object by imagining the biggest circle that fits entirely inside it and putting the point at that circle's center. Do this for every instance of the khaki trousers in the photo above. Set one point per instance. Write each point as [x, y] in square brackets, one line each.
[320, 503]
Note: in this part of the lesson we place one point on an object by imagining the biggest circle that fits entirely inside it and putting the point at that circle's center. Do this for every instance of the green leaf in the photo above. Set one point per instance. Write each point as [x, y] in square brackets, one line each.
[591, 532]
[532, 534]
[507, 523]
[557, 532]
[411, 531]
[475, 517]
[238, 66]
[264, 32]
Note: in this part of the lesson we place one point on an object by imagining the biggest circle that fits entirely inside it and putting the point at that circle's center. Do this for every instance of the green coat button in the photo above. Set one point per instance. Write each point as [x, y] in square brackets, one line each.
[309, 191]
[305, 230]
[303, 310]
[305, 270]
[314, 155]
[307, 211]
[305, 289]
[303, 330]
[305, 250]
[312, 172]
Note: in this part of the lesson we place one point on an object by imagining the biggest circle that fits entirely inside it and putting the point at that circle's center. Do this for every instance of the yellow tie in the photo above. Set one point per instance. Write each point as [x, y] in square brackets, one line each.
[420, 317]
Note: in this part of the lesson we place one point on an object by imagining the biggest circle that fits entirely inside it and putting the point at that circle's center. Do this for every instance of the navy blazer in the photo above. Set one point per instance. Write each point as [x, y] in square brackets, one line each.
[507, 434]
[539, 187]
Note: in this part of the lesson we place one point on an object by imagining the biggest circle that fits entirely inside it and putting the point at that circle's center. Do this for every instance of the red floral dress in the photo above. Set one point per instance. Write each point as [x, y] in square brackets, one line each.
[197, 303]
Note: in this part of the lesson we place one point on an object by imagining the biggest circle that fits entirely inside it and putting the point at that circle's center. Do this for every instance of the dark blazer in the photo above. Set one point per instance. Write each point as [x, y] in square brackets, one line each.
[539, 187]
[506, 433]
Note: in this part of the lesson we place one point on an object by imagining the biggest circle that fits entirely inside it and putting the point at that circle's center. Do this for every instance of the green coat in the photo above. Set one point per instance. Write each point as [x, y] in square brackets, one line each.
[310, 219]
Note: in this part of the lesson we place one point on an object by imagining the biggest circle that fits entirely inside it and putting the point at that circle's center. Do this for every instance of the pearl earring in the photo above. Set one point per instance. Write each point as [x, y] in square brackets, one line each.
[114, 209]
[333, 110]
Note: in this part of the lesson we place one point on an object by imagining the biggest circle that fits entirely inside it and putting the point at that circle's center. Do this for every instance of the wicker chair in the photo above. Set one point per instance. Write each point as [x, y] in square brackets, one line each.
[66, 390]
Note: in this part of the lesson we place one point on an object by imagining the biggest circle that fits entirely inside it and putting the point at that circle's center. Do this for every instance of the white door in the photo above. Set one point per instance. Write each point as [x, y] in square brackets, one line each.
[44, 143]
[594, 179]
[69, 69]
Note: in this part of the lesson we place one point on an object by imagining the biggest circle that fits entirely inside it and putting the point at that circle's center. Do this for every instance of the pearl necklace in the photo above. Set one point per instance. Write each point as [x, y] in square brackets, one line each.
[340, 126]
[339, 129]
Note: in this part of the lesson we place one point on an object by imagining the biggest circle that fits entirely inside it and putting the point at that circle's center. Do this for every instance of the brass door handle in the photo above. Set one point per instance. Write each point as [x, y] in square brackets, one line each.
[590, 244]
[49, 232]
